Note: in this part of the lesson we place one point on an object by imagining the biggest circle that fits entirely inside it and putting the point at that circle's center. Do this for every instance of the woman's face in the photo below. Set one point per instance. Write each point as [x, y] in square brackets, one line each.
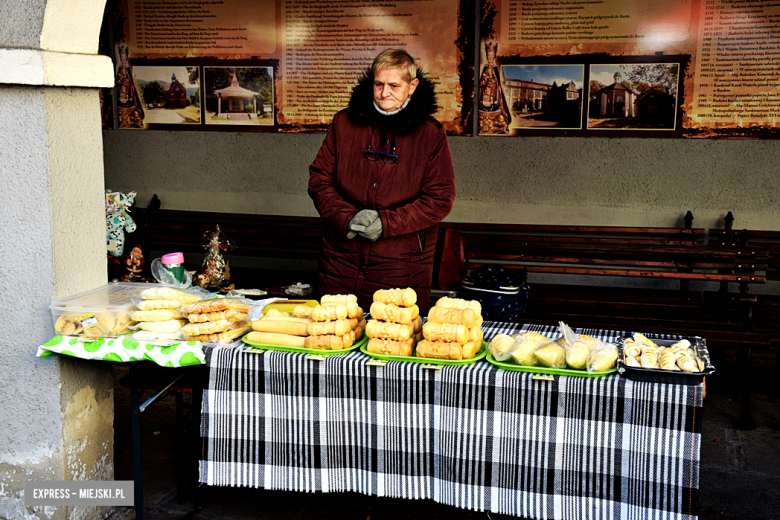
[391, 90]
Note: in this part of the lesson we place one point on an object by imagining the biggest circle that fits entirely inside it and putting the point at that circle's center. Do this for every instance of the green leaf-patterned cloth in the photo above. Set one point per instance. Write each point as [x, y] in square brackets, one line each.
[123, 350]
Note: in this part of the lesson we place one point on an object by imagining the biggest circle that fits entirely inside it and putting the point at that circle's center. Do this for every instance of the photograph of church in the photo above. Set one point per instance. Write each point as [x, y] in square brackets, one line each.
[641, 96]
[239, 95]
[169, 95]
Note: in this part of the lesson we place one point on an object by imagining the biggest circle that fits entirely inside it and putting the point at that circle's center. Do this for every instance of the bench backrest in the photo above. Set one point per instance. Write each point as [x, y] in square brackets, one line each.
[765, 243]
[666, 253]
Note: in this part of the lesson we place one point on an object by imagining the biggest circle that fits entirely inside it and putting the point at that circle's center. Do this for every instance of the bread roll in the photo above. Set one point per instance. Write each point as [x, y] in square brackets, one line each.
[272, 338]
[417, 325]
[471, 349]
[225, 336]
[667, 360]
[151, 305]
[209, 327]
[631, 348]
[632, 361]
[457, 303]
[228, 314]
[577, 355]
[156, 315]
[551, 355]
[465, 317]
[649, 358]
[214, 305]
[387, 312]
[336, 327]
[476, 334]
[328, 299]
[387, 330]
[276, 313]
[329, 312]
[643, 340]
[302, 311]
[329, 342]
[602, 359]
[162, 326]
[500, 344]
[687, 364]
[453, 332]
[168, 293]
[389, 347]
[400, 297]
[439, 349]
[281, 326]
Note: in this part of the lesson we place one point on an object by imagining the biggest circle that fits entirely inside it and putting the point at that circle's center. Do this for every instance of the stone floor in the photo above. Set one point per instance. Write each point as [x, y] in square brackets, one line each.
[740, 470]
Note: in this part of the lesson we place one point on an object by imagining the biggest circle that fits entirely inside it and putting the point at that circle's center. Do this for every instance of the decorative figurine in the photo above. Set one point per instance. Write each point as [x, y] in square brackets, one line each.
[134, 261]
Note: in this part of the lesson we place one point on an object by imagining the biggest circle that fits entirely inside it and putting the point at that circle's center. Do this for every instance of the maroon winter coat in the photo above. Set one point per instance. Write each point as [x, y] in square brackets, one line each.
[411, 197]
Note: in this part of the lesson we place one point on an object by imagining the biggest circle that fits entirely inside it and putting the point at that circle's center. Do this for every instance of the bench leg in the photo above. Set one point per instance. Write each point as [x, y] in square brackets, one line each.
[744, 360]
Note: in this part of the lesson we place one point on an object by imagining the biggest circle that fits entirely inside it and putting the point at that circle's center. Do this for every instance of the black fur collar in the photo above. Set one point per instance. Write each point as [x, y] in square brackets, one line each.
[422, 104]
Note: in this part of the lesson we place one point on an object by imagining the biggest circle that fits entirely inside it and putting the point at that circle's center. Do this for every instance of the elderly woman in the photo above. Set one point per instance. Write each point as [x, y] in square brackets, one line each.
[382, 181]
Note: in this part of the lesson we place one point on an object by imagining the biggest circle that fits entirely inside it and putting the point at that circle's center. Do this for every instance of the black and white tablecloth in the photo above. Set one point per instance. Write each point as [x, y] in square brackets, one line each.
[473, 436]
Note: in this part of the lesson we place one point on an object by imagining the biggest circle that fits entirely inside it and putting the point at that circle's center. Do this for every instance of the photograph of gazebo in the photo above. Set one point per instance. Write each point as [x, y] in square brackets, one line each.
[239, 95]
[544, 96]
[641, 96]
[169, 95]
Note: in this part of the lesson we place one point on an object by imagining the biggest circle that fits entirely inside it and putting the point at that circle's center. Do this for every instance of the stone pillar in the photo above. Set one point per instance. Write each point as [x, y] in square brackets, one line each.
[56, 414]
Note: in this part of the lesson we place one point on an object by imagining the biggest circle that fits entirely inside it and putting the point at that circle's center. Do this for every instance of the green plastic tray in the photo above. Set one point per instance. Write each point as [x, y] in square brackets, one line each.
[303, 350]
[546, 370]
[427, 361]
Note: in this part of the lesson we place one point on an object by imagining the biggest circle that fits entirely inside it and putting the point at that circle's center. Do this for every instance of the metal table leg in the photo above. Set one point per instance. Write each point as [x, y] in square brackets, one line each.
[135, 419]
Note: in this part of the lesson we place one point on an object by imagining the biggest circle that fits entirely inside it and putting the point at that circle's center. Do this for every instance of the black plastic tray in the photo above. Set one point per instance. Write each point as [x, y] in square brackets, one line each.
[665, 376]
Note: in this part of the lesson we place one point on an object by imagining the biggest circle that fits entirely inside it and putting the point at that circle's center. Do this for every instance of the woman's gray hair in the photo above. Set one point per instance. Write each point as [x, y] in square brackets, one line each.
[395, 59]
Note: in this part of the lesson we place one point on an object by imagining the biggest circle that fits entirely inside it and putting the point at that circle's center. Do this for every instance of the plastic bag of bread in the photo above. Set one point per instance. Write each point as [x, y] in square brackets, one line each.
[577, 347]
[156, 315]
[603, 357]
[210, 327]
[525, 347]
[152, 305]
[216, 305]
[226, 336]
[500, 345]
[551, 355]
[161, 326]
[519, 347]
[169, 293]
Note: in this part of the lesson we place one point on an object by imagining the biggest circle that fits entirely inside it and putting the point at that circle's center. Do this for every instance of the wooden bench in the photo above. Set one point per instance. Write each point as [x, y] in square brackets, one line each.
[629, 254]
[271, 250]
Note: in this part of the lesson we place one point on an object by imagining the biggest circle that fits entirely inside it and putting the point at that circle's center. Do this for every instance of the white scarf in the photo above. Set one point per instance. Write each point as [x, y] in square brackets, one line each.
[394, 111]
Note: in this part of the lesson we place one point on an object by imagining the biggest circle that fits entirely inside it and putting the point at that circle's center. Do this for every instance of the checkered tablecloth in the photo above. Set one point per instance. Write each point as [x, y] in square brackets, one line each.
[473, 436]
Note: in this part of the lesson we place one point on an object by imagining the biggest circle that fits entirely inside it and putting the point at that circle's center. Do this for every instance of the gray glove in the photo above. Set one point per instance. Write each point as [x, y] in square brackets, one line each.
[361, 220]
[373, 231]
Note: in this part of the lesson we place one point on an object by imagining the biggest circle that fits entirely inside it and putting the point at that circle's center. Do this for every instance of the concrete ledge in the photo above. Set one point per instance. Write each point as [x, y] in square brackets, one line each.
[60, 69]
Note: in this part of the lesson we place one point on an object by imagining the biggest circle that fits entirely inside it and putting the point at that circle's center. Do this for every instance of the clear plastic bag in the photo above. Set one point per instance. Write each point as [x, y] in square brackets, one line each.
[520, 348]
[165, 277]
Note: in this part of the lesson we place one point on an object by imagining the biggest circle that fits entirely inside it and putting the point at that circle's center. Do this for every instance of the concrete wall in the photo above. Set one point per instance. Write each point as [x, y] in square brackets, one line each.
[535, 180]
[57, 414]
[22, 21]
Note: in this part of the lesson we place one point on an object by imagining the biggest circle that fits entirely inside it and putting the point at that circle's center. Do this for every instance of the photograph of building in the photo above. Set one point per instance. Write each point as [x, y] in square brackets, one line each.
[169, 95]
[547, 96]
[633, 96]
[239, 95]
